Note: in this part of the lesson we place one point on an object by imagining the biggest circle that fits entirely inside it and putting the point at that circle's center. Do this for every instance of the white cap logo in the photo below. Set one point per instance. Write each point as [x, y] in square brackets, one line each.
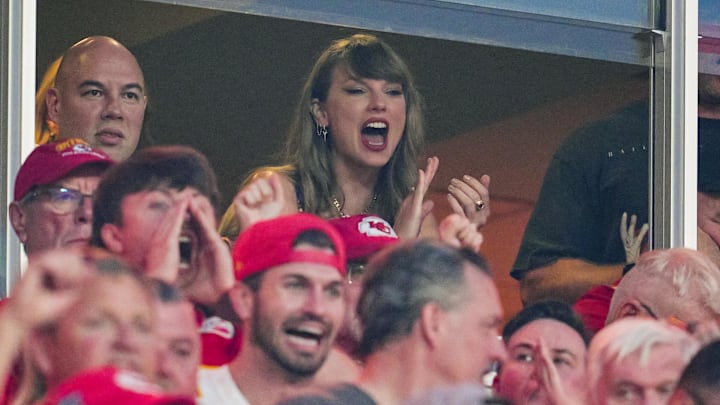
[81, 148]
[376, 226]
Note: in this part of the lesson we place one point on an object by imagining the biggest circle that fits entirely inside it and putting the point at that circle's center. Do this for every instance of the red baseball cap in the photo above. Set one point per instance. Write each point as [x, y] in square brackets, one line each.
[51, 162]
[111, 386]
[364, 234]
[269, 243]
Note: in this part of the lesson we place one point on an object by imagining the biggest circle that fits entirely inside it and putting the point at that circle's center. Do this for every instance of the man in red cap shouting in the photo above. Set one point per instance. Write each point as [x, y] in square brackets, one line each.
[52, 204]
[291, 301]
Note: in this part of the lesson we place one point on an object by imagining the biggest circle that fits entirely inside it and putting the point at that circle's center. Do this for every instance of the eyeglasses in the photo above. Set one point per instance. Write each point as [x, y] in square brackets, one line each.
[649, 311]
[59, 200]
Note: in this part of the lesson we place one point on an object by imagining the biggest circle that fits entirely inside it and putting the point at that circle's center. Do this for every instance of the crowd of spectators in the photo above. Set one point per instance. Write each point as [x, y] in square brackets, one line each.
[329, 280]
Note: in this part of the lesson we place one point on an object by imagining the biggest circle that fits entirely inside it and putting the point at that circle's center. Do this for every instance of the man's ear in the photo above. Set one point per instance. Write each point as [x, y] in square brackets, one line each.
[110, 235]
[431, 323]
[17, 219]
[318, 112]
[630, 308]
[52, 102]
[242, 299]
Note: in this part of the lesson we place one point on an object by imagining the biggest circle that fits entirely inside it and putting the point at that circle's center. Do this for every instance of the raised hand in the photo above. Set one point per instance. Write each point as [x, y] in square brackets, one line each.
[471, 197]
[414, 209]
[557, 392]
[51, 282]
[211, 265]
[209, 272]
[632, 241]
[457, 231]
[49, 286]
[162, 258]
[262, 199]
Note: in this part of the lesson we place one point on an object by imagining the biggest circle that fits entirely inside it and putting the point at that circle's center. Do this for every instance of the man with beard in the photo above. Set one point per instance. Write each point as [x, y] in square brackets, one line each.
[430, 315]
[290, 298]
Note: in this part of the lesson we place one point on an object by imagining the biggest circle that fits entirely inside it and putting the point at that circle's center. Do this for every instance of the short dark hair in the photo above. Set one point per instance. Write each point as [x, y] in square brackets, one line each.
[401, 280]
[703, 371]
[557, 311]
[173, 166]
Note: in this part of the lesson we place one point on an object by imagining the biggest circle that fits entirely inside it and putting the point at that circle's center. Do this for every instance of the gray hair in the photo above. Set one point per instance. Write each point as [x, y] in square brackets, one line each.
[400, 281]
[691, 274]
[627, 336]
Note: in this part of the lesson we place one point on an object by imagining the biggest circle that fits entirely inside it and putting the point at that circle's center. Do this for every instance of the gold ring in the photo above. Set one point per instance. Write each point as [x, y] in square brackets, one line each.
[479, 205]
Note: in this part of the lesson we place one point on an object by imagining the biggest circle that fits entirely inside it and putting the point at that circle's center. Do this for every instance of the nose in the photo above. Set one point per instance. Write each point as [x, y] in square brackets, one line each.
[498, 352]
[377, 101]
[84, 213]
[164, 365]
[126, 338]
[316, 303]
[112, 110]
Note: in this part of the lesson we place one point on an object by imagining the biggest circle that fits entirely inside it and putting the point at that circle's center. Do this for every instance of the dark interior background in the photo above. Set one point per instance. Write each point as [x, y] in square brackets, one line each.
[226, 83]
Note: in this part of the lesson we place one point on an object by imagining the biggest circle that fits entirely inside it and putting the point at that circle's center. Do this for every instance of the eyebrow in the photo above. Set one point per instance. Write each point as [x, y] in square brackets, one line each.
[353, 78]
[554, 351]
[305, 278]
[134, 86]
[91, 83]
[95, 83]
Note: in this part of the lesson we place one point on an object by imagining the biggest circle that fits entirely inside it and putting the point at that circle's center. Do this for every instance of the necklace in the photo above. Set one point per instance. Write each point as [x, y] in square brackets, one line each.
[342, 214]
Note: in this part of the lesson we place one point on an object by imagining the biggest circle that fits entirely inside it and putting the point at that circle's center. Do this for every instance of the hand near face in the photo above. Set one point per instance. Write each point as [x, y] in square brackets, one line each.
[457, 231]
[51, 282]
[260, 200]
[162, 260]
[414, 209]
[212, 263]
[209, 273]
[470, 197]
[558, 393]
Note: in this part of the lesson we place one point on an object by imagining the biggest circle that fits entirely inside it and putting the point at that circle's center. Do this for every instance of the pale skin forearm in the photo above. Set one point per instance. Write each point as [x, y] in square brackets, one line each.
[11, 335]
[566, 280]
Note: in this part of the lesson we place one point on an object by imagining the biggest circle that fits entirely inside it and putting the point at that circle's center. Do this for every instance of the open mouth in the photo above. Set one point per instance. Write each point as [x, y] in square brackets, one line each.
[305, 336]
[186, 250]
[374, 135]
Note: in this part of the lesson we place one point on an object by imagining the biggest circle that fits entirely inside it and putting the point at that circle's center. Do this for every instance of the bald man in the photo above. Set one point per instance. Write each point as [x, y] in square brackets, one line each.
[99, 96]
[678, 282]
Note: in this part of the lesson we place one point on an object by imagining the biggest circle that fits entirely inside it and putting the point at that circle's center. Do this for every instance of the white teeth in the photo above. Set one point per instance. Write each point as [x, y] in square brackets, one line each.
[377, 125]
[304, 341]
[309, 329]
[184, 238]
[376, 143]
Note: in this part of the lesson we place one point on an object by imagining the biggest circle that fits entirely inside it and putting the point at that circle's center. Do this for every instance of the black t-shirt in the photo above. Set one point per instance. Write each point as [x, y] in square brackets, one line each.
[599, 172]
